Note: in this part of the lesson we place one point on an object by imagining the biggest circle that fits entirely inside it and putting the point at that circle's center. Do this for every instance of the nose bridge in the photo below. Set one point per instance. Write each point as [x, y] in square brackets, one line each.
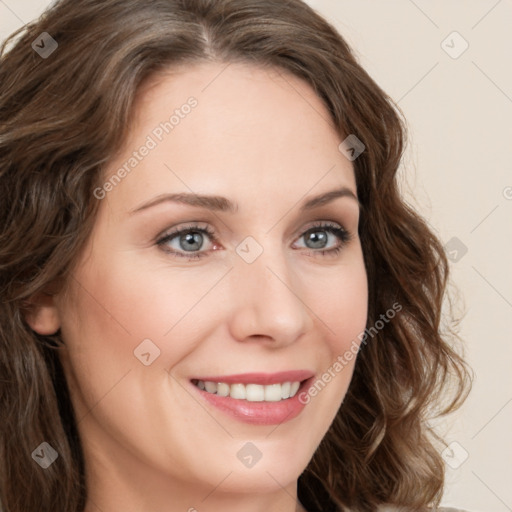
[266, 298]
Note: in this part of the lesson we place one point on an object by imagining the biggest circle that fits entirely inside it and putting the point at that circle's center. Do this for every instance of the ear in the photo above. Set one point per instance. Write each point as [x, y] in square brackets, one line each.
[41, 313]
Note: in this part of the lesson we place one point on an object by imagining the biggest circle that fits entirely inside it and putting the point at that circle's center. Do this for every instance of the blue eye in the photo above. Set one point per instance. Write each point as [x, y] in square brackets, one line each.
[317, 235]
[190, 239]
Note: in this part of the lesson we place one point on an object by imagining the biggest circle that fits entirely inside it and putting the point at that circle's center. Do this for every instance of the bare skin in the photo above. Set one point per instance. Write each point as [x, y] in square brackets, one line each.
[262, 139]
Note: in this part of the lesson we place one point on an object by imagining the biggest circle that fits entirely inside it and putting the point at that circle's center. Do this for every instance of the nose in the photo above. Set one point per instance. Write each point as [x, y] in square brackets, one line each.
[268, 301]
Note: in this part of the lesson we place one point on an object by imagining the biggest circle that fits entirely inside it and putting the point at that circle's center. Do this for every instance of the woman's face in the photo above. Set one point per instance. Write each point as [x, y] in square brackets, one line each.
[252, 300]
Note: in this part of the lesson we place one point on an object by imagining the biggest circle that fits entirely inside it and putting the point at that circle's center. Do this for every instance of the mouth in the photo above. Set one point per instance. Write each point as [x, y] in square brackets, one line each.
[251, 392]
[256, 398]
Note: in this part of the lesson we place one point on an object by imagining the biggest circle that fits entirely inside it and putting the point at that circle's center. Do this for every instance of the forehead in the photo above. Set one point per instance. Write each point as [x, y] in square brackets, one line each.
[249, 128]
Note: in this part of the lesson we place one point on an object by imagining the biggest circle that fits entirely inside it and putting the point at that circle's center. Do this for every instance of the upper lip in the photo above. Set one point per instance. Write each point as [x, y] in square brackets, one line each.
[260, 378]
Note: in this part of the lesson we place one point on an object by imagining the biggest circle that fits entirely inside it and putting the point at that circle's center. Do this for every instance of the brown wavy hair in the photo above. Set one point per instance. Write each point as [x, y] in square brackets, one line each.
[62, 120]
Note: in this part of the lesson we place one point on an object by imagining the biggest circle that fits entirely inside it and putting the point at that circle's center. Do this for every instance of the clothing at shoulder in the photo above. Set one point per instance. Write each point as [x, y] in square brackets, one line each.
[389, 508]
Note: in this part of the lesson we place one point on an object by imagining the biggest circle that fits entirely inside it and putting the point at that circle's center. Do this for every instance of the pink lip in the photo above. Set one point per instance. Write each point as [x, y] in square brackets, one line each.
[260, 378]
[259, 413]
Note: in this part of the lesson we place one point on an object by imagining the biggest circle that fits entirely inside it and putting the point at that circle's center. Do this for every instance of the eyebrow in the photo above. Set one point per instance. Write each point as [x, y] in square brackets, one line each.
[223, 204]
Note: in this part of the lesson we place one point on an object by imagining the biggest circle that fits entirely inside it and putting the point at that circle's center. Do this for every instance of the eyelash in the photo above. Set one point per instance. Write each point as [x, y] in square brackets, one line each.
[342, 234]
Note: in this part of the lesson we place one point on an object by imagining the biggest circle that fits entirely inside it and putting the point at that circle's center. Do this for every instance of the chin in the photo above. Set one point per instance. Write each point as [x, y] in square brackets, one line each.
[272, 472]
[261, 481]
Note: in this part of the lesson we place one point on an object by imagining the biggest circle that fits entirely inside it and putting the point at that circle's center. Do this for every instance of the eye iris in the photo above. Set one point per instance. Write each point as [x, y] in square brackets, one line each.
[319, 238]
[190, 238]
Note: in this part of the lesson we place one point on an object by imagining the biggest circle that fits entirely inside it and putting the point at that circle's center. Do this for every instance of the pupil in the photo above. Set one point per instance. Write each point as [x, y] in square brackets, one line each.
[318, 240]
[190, 240]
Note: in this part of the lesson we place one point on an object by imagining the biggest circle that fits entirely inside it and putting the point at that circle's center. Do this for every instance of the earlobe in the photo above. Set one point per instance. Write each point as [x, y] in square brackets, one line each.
[42, 315]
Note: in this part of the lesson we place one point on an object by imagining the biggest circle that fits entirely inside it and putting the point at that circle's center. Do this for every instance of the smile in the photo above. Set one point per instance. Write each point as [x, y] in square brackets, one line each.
[256, 398]
[251, 392]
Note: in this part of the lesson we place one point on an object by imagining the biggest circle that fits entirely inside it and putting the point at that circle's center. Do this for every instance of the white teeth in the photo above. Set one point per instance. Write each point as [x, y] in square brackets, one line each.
[222, 389]
[237, 391]
[251, 392]
[273, 393]
[211, 387]
[285, 390]
[254, 393]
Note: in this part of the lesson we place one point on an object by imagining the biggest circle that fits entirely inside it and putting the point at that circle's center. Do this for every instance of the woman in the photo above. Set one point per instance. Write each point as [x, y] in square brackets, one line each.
[213, 295]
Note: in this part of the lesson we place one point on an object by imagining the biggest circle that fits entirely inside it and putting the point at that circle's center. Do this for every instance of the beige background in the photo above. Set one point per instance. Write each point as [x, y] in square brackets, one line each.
[458, 173]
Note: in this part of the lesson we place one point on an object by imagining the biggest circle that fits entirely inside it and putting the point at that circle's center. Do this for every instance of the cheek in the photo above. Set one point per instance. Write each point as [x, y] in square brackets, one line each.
[342, 309]
[125, 302]
[341, 305]
[126, 318]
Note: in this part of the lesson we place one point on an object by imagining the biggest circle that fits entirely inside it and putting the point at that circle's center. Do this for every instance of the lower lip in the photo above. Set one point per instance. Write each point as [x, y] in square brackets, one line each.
[258, 413]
